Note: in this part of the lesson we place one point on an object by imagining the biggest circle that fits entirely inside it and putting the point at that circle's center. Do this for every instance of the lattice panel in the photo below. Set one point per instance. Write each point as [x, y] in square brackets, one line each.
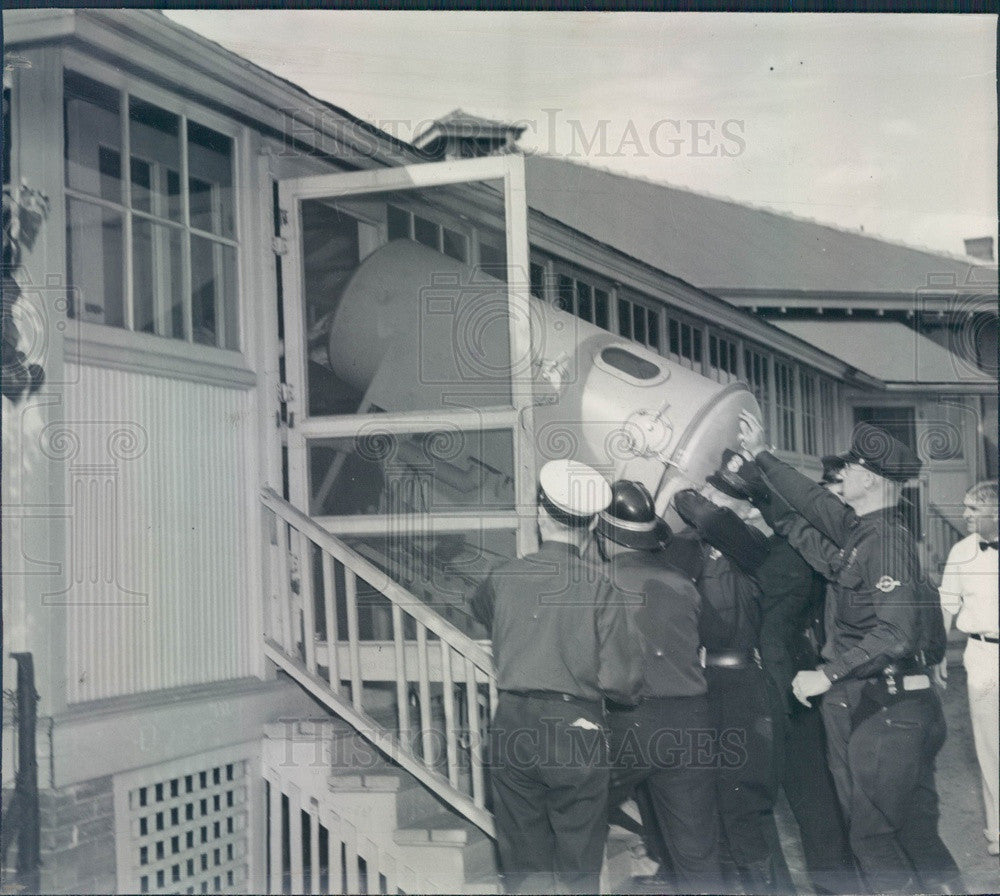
[183, 827]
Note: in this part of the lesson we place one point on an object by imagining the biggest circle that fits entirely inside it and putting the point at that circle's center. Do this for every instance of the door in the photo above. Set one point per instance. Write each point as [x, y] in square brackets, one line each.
[407, 364]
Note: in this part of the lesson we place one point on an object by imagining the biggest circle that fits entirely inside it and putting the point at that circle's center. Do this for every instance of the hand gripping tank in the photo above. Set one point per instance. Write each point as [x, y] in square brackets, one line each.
[418, 331]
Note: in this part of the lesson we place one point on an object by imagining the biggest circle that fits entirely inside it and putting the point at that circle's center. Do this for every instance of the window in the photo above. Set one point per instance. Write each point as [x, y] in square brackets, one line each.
[493, 260]
[639, 322]
[585, 299]
[162, 207]
[721, 358]
[684, 342]
[810, 416]
[405, 225]
[784, 394]
[537, 277]
[828, 415]
[758, 379]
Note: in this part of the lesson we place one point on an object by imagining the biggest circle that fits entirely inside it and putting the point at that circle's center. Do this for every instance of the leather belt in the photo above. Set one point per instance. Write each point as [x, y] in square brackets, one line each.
[729, 659]
[989, 639]
[552, 695]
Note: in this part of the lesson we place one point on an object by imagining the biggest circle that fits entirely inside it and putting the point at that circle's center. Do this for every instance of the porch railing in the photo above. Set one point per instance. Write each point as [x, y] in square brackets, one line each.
[407, 680]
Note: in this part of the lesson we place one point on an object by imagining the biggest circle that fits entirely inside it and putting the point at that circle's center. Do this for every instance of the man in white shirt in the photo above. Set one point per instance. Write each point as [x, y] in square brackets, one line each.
[969, 592]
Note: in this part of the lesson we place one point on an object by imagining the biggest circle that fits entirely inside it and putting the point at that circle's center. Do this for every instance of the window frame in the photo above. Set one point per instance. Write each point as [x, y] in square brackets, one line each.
[126, 85]
[594, 282]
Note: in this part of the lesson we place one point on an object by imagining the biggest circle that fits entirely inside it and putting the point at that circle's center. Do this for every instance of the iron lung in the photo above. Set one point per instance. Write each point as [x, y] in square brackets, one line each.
[417, 331]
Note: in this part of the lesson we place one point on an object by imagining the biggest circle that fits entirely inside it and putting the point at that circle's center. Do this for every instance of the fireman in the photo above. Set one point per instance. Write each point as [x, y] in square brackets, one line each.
[665, 740]
[563, 640]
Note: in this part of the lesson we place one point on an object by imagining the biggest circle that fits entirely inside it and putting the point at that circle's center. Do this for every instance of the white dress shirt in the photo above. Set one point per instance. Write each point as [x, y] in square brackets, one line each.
[969, 587]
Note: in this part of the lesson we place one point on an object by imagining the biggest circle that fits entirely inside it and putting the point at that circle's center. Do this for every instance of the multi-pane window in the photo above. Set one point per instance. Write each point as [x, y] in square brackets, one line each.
[405, 225]
[586, 300]
[758, 379]
[639, 322]
[784, 403]
[721, 358]
[684, 342]
[828, 415]
[810, 413]
[151, 195]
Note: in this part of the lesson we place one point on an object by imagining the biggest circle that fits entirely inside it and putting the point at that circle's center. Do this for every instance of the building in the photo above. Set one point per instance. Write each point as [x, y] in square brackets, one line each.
[179, 560]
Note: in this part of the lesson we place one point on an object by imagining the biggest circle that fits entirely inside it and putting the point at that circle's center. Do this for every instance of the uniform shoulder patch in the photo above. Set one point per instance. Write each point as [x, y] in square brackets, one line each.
[887, 584]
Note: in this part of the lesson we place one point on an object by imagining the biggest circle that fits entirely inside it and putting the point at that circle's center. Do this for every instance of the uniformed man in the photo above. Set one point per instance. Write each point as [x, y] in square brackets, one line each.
[883, 720]
[666, 740]
[742, 702]
[562, 641]
[790, 633]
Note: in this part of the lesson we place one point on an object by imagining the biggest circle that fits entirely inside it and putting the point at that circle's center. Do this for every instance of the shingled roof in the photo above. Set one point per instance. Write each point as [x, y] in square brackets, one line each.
[735, 250]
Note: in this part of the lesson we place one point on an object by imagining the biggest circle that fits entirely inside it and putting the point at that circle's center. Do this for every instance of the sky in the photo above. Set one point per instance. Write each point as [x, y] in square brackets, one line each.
[881, 122]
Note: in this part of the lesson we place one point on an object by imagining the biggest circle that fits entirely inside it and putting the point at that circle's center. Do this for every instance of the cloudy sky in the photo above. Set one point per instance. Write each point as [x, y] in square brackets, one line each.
[886, 122]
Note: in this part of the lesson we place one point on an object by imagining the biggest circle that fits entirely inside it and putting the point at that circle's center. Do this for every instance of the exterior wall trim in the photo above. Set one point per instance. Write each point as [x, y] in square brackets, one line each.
[101, 346]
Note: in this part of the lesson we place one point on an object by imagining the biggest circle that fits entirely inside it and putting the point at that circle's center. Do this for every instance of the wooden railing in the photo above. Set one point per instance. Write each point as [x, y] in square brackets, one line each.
[407, 680]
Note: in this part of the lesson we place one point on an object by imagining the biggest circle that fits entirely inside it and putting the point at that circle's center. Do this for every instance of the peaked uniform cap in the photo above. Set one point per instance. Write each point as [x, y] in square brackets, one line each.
[882, 453]
[574, 488]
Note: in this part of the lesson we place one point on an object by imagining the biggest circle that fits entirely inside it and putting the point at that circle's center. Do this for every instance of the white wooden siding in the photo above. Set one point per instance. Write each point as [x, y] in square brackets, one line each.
[157, 569]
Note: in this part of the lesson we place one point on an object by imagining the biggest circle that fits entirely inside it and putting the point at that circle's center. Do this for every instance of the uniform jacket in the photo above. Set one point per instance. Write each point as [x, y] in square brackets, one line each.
[877, 607]
[666, 611]
[558, 624]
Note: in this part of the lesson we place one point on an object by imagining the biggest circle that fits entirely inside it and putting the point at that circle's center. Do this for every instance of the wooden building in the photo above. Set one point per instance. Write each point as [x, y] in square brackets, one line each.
[192, 585]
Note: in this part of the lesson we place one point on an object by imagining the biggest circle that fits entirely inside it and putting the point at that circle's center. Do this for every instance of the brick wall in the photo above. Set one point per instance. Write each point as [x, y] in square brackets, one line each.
[78, 838]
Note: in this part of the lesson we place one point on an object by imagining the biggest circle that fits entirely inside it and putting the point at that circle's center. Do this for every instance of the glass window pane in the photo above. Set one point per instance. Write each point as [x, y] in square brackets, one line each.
[696, 356]
[685, 341]
[210, 169]
[601, 317]
[653, 328]
[213, 293]
[625, 318]
[428, 472]
[639, 328]
[95, 261]
[157, 290]
[584, 304]
[455, 245]
[92, 137]
[154, 139]
[537, 280]
[398, 223]
[426, 232]
[673, 335]
[564, 299]
[493, 261]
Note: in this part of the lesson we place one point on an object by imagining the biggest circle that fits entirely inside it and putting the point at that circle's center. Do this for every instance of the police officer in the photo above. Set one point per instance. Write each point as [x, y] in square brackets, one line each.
[791, 630]
[742, 703]
[563, 640]
[666, 740]
[883, 720]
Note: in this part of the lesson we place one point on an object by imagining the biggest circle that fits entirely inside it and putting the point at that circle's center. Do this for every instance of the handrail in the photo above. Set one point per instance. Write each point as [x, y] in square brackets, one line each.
[368, 571]
[318, 621]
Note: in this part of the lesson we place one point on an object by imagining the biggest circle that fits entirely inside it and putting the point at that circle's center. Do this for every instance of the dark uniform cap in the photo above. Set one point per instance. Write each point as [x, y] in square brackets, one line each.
[884, 455]
[631, 518]
[739, 478]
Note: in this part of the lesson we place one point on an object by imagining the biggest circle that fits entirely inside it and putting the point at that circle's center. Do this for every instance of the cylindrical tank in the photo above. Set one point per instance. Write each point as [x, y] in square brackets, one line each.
[418, 331]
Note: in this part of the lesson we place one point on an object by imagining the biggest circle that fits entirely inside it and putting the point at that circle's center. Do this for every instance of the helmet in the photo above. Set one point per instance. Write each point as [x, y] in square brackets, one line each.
[631, 519]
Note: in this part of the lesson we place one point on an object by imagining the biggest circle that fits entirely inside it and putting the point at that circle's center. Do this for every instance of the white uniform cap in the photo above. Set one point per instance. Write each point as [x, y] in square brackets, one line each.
[574, 488]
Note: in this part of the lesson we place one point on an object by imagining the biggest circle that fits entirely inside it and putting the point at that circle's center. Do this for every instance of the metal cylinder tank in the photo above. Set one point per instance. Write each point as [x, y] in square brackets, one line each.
[418, 331]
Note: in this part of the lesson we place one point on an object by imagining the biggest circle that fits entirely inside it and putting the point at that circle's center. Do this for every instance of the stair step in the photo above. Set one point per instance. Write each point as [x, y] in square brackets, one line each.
[441, 827]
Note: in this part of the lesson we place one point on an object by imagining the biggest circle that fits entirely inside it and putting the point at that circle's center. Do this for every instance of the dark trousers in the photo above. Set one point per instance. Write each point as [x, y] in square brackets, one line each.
[668, 744]
[809, 790]
[743, 710]
[885, 773]
[550, 794]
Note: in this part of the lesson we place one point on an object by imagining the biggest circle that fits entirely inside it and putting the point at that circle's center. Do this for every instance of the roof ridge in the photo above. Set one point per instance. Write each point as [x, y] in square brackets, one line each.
[791, 216]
